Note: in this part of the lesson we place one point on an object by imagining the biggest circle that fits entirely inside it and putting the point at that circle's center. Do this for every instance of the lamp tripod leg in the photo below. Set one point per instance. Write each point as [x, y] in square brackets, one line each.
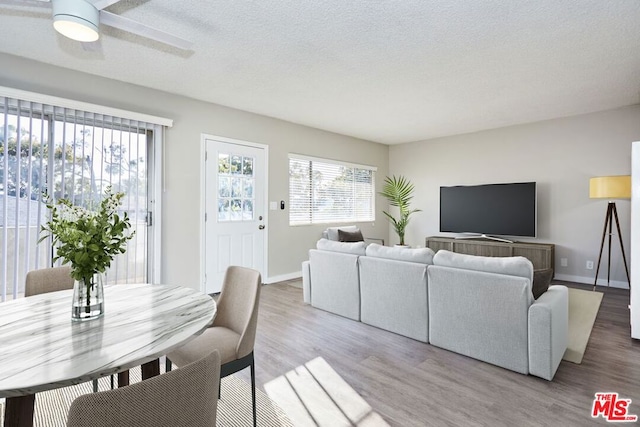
[609, 248]
[624, 257]
[607, 222]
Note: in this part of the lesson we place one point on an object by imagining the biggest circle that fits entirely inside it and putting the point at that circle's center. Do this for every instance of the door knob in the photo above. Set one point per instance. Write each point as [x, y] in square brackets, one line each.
[261, 227]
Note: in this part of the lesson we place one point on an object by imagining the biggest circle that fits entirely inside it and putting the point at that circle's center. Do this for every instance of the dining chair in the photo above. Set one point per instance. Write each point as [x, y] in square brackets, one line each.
[233, 331]
[186, 397]
[48, 280]
[52, 279]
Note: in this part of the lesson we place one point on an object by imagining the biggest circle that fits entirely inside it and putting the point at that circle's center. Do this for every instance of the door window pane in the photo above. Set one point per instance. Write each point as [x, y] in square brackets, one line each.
[247, 210]
[224, 187]
[223, 163]
[223, 210]
[236, 165]
[235, 187]
[247, 167]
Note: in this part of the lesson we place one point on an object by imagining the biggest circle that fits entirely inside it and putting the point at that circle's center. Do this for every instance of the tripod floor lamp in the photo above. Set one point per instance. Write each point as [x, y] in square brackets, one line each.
[610, 187]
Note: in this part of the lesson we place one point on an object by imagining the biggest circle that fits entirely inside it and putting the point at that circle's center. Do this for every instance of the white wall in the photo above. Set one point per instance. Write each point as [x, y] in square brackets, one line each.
[182, 231]
[560, 155]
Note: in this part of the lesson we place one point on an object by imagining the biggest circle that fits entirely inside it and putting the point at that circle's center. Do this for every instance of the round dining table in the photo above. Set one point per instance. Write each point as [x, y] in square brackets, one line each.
[41, 348]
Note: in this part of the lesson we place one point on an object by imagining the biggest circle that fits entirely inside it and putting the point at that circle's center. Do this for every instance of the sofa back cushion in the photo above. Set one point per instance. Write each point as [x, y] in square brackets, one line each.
[419, 255]
[512, 266]
[354, 248]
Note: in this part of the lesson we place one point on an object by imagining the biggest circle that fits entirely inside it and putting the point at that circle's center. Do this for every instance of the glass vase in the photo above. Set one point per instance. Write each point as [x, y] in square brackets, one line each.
[88, 298]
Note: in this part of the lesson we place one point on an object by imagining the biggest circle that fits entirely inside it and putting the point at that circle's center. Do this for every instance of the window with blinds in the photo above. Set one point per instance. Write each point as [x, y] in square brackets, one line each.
[69, 154]
[328, 191]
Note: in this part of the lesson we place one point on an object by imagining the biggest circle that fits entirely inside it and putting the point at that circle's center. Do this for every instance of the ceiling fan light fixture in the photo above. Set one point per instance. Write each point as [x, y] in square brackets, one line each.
[76, 19]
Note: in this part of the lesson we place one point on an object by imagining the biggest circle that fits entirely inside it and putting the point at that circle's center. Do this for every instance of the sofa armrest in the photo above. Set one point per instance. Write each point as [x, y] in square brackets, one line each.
[548, 331]
[306, 282]
[481, 315]
[335, 282]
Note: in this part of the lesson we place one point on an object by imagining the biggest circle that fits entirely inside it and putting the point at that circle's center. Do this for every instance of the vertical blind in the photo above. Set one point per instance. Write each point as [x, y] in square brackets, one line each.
[71, 154]
[325, 191]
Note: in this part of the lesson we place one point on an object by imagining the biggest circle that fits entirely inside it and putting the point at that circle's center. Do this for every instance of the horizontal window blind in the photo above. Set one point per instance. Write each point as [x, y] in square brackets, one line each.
[71, 154]
[326, 191]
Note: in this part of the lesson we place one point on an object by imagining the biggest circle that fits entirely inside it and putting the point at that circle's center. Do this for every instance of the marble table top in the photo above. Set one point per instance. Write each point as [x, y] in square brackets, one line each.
[41, 348]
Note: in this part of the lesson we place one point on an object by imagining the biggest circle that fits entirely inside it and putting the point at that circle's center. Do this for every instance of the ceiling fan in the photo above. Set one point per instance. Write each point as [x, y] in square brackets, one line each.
[79, 20]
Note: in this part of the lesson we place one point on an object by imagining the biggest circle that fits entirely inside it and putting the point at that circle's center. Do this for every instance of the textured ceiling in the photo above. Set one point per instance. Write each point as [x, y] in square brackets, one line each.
[390, 71]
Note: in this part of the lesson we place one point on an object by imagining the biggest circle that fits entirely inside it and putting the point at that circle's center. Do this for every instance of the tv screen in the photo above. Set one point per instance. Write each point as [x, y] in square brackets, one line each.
[492, 209]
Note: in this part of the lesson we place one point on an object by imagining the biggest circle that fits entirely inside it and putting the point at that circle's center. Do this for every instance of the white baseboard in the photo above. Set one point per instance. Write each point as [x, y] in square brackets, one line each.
[589, 281]
[283, 277]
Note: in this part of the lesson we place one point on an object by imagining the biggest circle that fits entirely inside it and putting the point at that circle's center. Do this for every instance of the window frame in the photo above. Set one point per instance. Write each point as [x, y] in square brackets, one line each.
[327, 163]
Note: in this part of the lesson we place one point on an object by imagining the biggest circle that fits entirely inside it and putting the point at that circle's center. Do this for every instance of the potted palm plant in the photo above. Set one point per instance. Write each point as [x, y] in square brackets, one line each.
[399, 192]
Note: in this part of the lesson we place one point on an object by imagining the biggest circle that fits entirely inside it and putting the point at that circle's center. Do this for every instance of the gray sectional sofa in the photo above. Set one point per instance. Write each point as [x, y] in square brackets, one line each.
[481, 307]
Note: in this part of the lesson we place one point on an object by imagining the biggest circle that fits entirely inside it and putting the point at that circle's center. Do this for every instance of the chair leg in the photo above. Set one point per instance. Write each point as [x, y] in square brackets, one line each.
[95, 386]
[253, 392]
[167, 365]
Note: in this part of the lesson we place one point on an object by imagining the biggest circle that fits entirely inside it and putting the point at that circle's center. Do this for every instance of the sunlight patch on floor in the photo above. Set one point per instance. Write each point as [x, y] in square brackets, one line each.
[315, 395]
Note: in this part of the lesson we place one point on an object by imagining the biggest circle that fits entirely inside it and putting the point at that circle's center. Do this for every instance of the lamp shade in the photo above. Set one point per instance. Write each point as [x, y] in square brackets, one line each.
[610, 187]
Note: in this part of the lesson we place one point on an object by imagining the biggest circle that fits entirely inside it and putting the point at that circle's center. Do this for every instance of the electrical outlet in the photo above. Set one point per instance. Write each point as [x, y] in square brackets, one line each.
[564, 262]
[589, 265]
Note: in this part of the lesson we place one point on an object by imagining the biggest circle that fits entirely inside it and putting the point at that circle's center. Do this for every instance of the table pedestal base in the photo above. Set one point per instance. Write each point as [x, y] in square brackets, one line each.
[18, 411]
[123, 378]
[151, 369]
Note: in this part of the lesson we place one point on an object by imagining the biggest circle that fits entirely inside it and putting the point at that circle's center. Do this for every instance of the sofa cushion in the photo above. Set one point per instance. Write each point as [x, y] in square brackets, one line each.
[512, 266]
[419, 255]
[332, 232]
[541, 281]
[350, 236]
[354, 248]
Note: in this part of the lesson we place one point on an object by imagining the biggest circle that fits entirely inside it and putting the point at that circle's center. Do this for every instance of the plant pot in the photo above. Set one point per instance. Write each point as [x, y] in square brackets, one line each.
[88, 298]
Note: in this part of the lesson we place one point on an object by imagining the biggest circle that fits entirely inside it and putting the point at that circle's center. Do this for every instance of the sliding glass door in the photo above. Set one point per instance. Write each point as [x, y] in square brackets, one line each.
[71, 154]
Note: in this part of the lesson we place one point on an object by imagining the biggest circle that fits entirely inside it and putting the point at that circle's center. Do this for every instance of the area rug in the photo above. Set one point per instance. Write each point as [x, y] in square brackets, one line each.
[234, 406]
[583, 309]
[315, 395]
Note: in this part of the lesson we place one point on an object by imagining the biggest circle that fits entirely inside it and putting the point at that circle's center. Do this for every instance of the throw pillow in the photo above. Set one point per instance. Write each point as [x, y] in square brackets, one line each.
[350, 236]
[541, 281]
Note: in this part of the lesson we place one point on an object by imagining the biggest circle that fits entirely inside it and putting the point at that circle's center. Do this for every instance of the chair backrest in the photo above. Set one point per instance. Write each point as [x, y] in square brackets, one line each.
[238, 306]
[185, 397]
[48, 280]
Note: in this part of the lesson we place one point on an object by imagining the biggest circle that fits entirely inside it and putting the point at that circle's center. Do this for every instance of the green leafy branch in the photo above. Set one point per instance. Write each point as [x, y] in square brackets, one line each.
[88, 239]
[399, 192]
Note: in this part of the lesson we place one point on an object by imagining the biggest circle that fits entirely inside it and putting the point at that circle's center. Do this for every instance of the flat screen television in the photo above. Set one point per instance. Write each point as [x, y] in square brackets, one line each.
[491, 209]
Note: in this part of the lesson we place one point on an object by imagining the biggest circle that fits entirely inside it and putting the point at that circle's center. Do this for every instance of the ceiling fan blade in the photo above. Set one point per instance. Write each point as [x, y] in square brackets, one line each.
[131, 26]
[26, 3]
[103, 4]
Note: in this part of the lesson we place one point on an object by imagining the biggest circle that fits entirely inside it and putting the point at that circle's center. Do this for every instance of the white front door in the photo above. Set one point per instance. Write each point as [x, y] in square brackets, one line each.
[235, 203]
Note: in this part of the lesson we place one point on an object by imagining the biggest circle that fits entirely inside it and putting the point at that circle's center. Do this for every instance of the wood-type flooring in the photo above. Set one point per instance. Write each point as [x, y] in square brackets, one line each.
[410, 383]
